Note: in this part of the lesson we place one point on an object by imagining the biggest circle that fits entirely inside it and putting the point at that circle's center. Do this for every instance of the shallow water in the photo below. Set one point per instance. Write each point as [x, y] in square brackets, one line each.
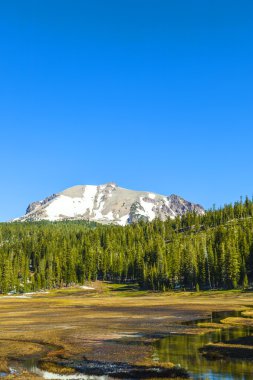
[32, 366]
[52, 376]
[184, 350]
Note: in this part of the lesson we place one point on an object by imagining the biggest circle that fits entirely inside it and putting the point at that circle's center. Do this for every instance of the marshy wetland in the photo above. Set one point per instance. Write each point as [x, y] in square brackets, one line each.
[117, 331]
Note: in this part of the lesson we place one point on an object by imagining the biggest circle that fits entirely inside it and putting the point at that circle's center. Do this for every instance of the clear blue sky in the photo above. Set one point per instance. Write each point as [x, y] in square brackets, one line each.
[152, 94]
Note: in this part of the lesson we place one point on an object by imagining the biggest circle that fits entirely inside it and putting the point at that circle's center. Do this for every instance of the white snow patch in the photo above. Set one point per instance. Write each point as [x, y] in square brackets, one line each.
[99, 198]
[89, 197]
[123, 220]
[109, 216]
[100, 205]
[152, 195]
[168, 204]
[72, 207]
[98, 213]
[148, 209]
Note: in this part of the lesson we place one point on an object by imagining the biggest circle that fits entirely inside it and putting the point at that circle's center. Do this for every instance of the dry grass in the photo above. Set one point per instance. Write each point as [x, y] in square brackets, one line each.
[4, 365]
[220, 350]
[25, 375]
[55, 368]
[248, 314]
[212, 325]
[237, 321]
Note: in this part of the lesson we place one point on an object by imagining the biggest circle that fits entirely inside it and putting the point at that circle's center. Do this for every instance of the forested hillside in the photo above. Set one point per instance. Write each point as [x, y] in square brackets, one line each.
[214, 250]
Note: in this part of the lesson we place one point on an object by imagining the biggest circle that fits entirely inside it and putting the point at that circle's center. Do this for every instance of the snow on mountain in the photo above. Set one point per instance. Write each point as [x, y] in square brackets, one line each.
[106, 204]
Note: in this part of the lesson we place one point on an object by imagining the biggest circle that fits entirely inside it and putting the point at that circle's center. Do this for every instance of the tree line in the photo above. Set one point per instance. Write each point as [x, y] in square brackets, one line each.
[214, 250]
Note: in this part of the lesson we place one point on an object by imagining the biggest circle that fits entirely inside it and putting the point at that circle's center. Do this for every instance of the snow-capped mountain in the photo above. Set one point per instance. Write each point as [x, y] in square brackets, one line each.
[108, 203]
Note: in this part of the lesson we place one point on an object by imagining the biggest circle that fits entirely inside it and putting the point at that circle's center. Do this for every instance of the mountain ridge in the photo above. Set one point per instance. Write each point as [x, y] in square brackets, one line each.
[108, 203]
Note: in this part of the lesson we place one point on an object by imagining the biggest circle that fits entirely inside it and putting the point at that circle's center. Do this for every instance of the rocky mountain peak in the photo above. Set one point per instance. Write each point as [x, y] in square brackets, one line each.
[108, 203]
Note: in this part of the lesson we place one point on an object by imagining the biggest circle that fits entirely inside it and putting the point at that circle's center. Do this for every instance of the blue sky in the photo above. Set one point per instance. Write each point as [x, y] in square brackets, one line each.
[152, 94]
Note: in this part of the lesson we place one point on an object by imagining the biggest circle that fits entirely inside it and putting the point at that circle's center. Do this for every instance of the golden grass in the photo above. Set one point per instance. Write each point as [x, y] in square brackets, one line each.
[212, 325]
[55, 368]
[25, 375]
[10, 348]
[248, 313]
[147, 362]
[237, 321]
[4, 365]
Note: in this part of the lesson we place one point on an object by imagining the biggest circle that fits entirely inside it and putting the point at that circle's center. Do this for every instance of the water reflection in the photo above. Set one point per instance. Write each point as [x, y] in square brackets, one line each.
[184, 350]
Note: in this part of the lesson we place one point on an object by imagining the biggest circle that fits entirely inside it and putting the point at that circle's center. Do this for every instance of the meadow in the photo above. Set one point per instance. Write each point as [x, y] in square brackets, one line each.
[111, 323]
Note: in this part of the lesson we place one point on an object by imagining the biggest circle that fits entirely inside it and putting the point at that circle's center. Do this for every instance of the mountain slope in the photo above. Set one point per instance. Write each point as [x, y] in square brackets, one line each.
[108, 203]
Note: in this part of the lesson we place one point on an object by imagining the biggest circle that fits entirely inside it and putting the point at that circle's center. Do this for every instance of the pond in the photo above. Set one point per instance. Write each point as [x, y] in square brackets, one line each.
[184, 351]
